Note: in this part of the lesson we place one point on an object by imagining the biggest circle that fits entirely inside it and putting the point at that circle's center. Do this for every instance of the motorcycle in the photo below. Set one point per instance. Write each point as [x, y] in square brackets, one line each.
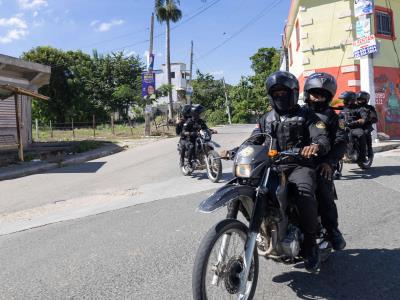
[353, 147]
[205, 157]
[227, 261]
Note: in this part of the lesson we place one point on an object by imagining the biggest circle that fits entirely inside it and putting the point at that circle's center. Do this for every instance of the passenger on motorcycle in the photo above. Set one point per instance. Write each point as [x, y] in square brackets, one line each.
[184, 129]
[292, 126]
[355, 118]
[319, 90]
[362, 101]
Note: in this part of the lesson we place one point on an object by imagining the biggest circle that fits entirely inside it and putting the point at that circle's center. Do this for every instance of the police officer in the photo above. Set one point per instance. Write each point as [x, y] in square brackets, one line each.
[184, 128]
[355, 118]
[293, 126]
[362, 101]
[319, 90]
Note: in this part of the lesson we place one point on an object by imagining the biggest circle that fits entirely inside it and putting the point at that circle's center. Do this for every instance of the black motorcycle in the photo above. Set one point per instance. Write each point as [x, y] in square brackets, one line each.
[205, 157]
[226, 263]
[352, 154]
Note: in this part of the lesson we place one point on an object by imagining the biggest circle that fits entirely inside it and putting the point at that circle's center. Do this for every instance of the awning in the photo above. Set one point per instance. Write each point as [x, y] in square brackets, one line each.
[7, 90]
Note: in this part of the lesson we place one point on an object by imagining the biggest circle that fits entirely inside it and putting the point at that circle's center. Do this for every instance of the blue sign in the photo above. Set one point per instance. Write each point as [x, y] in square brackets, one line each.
[363, 7]
[365, 51]
[148, 84]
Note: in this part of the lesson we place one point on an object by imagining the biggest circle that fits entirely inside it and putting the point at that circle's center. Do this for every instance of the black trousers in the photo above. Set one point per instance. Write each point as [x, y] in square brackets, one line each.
[186, 146]
[302, 186]
[368, 139]
[358, 133]
[325, 194]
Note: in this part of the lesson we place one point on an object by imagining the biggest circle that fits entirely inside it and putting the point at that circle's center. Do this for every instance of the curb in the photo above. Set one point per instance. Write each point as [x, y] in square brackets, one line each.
[78, 159]
[382, 148]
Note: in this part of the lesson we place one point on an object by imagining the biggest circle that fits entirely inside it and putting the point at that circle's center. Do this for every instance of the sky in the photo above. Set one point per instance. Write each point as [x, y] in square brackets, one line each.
[225, 32]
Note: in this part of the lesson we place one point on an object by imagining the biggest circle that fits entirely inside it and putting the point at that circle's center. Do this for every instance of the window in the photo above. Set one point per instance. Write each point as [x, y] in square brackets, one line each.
[172, 75]
[297, 35]
[384, 23]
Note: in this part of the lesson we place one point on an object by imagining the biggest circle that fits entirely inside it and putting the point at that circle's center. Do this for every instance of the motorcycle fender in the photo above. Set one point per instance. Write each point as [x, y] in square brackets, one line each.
[223, 196]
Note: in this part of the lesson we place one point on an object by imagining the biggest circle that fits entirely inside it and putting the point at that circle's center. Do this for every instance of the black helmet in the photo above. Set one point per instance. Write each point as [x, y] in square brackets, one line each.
[348, 97]
[197, 109]
[324, 83]
[283, 80]
[186, 110]
[363, 96]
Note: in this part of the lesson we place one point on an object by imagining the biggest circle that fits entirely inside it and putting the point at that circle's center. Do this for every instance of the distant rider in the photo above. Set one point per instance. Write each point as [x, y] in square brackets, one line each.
[184, 128]
[355, 118]
[362, 101]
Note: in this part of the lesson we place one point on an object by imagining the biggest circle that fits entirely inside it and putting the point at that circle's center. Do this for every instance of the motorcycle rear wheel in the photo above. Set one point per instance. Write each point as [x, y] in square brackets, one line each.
[207, 269]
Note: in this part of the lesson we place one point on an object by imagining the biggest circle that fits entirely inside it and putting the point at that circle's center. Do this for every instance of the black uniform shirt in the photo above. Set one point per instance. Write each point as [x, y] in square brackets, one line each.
[298, 129]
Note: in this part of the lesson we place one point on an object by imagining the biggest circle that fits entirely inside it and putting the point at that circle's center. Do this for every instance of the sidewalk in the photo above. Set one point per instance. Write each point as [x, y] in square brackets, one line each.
[34, 167]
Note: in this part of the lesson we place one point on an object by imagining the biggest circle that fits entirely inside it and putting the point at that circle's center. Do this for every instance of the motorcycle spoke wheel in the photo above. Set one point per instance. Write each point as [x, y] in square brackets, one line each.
[214, 169]
[217, 275]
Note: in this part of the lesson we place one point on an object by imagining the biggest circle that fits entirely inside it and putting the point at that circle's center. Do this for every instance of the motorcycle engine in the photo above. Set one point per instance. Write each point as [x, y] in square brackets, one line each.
[291, 243]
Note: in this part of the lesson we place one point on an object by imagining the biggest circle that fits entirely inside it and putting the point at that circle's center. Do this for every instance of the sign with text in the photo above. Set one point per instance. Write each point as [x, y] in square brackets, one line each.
[364, 46]
[148, 84]
[363, 28]
[363, 7]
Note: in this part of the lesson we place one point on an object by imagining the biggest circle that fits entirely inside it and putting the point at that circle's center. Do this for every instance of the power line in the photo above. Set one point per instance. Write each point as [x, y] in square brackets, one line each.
[202, 10]
[255, 19]
[195, 14]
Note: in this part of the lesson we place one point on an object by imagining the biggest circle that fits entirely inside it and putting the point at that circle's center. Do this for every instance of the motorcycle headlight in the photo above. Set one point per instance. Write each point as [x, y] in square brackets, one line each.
[243, 171]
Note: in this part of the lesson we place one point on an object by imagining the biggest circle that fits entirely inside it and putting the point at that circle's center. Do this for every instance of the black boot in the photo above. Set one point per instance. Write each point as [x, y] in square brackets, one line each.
[312, 261]
[337, 240]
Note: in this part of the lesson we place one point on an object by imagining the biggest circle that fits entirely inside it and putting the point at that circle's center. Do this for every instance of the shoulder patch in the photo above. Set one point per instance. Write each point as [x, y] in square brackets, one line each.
[320, 125]
[341, 124]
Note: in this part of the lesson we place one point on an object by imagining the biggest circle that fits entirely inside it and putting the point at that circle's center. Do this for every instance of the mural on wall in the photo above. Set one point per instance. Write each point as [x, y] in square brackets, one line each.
[387, 92]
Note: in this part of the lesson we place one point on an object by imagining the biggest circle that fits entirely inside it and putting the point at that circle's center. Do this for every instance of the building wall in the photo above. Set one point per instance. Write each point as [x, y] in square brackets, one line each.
[327, 30]
[179, 82]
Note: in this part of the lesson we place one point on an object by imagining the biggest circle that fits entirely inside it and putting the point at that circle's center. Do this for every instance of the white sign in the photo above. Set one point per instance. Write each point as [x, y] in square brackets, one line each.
[363, 27]
[363, 7]
[148, 109]
[364, 46]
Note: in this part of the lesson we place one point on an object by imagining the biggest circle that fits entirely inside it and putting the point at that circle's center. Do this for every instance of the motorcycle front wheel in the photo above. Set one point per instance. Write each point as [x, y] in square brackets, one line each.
[219, 262]
[214, 166]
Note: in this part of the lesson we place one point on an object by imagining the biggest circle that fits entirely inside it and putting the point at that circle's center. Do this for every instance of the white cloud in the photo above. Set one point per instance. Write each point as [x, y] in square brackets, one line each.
[106, 26]
[217, 73]
[13, 34]
[35, 13]
[16, 21]
[32, 4]
[17, 29]
[131, 53]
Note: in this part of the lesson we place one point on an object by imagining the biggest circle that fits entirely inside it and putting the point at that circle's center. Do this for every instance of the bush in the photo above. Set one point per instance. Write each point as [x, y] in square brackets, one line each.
[216, 117]
[241, 117]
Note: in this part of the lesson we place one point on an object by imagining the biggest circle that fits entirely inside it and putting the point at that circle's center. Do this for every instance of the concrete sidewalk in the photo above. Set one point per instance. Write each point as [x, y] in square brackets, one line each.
[29, 168]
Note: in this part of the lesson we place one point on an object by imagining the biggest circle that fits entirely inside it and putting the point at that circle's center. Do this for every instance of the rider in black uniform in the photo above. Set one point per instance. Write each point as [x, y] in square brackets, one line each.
[362, 101]
[355, 118]
[319, 90]
[184, 129]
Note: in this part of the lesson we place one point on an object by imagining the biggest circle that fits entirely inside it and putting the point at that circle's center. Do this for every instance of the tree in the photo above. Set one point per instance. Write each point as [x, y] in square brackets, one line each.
[264, 63]
[167, 11]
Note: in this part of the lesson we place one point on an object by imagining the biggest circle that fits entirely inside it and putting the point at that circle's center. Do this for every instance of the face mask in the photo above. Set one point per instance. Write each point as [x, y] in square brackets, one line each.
[318, 106]
[282, 103]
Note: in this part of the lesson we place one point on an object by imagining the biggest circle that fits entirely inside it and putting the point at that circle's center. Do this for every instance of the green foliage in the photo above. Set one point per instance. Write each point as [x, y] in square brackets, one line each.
[81, 85]
[216, 117]
[208, 91]
[164, 89]
[168, 10]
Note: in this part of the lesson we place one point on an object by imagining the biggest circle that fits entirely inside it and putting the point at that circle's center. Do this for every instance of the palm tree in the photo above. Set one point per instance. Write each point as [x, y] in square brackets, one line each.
[167, 11]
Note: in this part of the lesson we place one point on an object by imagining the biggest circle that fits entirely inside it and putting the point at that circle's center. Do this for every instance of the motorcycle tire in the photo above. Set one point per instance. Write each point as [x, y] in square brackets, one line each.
[204, 254]
[214, 166]
[366, 164]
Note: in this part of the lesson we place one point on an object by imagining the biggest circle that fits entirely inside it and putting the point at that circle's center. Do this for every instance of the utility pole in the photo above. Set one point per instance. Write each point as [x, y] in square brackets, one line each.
[189, 96]
[228, 109]
[367, 75]
[149, 70]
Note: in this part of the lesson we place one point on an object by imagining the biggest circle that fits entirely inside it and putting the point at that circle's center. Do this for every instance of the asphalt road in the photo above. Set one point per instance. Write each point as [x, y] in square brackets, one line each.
[142, 245]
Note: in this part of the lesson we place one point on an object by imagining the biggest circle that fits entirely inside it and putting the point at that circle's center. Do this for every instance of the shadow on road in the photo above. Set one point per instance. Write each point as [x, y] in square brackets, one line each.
[226, 176]
[350, 274]
[87, 167]
[372, 173]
